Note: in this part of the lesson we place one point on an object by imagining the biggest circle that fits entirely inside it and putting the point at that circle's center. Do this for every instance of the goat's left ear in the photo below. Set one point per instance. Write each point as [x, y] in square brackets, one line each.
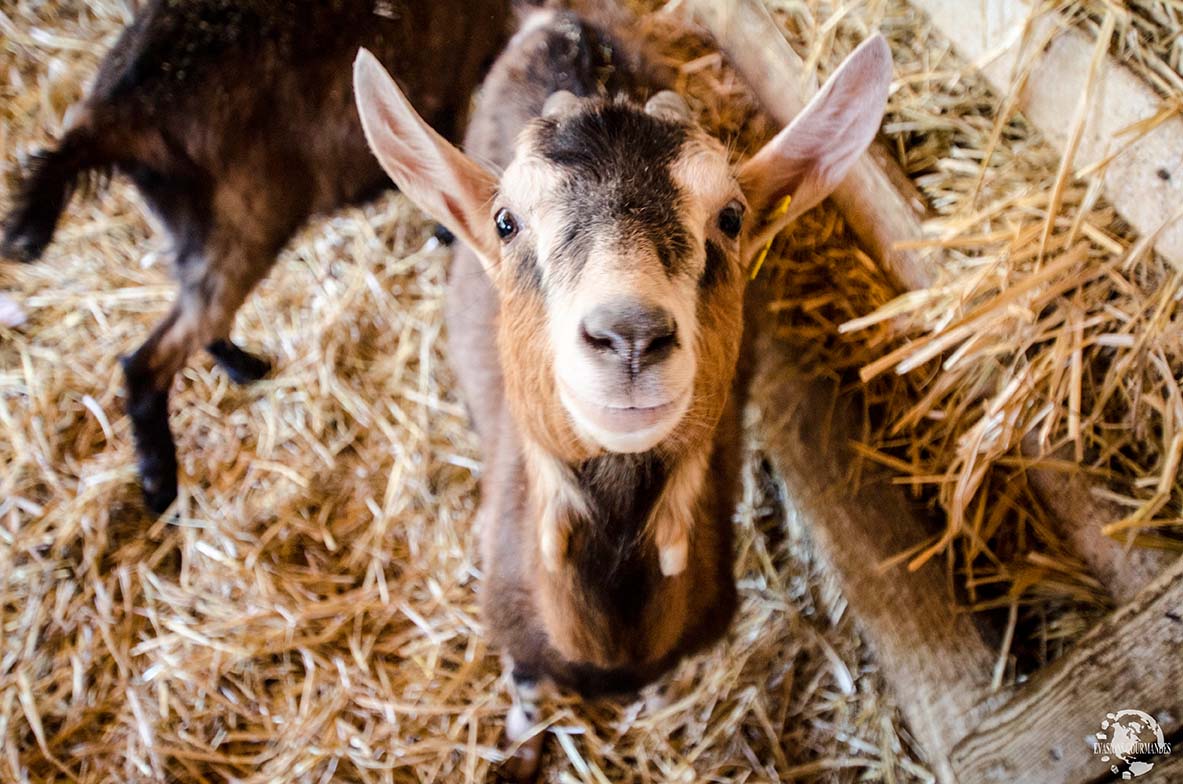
[444, 182]
[810, 157]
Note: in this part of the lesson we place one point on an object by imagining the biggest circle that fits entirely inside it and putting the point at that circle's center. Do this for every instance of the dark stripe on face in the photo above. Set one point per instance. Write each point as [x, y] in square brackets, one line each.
[570, 255]
[673, 249]
[618, 160]
[715, 271]
[526, 271]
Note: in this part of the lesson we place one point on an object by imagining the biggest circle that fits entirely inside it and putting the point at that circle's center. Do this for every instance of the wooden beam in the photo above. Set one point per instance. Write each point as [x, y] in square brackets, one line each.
[877, 198]
[1044, 733]
[1144, 181]
[1079, 516]
[1168, 770]
[931, 654]
[933, 657]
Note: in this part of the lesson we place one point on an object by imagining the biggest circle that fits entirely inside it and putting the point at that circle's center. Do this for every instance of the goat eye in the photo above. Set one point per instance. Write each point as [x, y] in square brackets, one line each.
[731, 219]
[507, 224]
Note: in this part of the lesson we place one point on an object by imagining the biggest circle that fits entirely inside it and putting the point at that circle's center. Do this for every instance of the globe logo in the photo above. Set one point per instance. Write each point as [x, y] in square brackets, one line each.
[1129, 740]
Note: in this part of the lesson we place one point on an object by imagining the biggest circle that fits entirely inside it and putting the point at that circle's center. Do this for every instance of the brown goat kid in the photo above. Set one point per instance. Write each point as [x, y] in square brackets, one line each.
[235, 120]
[595, 316]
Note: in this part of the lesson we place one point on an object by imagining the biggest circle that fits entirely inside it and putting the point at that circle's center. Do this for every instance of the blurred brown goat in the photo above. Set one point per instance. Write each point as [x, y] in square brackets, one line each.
[235, 120]
[595, 317]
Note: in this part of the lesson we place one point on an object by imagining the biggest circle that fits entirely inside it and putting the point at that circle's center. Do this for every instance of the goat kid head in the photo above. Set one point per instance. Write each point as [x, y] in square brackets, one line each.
[619, 239]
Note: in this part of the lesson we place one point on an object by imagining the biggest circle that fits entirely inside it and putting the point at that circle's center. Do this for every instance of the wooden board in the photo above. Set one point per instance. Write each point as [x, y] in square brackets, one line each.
[932, 655]
[1079, 517]
[1145, 179]
[877, 199]
[1044, 733]
[1167, 771]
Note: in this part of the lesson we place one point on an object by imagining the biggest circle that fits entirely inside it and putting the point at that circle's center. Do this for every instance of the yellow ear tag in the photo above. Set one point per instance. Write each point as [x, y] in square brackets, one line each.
[781, 209]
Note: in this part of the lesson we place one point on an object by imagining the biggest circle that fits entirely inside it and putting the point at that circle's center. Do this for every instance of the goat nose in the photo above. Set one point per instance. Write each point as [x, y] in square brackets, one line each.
[633, 332]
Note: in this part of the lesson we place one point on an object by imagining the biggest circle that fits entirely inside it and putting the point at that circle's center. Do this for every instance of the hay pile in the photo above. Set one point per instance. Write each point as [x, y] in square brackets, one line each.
[1077, 337]
[309, 613]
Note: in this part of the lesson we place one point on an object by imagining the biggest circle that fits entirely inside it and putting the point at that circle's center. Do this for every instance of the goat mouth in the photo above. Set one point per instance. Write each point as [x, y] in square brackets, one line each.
[621, 420]
[627, 419]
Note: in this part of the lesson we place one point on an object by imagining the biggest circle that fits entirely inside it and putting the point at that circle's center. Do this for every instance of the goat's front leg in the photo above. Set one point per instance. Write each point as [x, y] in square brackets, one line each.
[212, 290]
[148, 374]
[557, 502]
[673, 515]
[526, 691]
[240, 264]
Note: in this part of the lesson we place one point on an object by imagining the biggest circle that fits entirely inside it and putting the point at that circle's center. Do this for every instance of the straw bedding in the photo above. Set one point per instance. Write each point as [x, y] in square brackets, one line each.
[1047, 316]
[309, 612]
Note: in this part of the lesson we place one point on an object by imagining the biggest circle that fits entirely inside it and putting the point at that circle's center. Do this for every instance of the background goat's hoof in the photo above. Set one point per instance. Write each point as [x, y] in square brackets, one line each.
[242, 366]
[25, 248]
[158, 482]
[523, 766]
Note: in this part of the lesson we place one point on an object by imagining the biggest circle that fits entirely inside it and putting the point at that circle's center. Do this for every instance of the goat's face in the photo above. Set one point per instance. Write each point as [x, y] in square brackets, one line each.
[618, 239]
[624, 225]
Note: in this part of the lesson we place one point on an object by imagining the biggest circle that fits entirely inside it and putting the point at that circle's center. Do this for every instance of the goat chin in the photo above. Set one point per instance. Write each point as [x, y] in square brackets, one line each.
[624, 430]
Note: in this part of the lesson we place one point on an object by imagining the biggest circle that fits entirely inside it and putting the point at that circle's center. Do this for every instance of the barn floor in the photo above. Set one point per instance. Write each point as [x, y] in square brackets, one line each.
[308, 610]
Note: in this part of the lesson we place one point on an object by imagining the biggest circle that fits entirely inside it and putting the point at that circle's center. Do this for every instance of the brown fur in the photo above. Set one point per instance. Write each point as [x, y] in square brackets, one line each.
[546, 619]
[601, 616]
[596, 325]
[235, 119]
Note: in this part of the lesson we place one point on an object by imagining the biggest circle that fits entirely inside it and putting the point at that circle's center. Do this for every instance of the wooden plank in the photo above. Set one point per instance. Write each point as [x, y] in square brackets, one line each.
[1144, 181]
[1079, 516]
[1044, 733]
[1168, 770]
[932, 655]
[879, 202]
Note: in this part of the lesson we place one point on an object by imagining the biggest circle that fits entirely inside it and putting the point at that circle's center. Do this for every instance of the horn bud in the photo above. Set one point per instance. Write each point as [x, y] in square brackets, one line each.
[558, 104]
[668, 105]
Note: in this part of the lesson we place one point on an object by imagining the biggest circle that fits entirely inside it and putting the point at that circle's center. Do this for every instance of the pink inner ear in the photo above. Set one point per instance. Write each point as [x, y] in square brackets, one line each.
[810, 157]
[392, 126]
[462, 227]
[440, 179]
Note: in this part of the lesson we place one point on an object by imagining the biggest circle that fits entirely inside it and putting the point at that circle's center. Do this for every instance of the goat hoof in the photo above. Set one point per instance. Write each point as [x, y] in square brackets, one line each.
[523, 766]
[159, 496]
[251, 369]
[241, 366]
[443, 236]
[159, 486]
[23, 248]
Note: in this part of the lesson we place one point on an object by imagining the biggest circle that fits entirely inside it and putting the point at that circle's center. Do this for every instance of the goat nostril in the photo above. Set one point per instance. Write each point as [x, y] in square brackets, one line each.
[661, 345]
[598, 341]
[637, 335]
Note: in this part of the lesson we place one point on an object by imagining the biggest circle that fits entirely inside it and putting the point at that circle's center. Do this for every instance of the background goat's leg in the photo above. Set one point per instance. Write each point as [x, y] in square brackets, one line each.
[212, 290]
[240, 365]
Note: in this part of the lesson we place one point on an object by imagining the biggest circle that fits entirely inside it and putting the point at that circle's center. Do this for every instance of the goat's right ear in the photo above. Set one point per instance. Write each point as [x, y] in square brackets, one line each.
[808, 159]
[444, 182]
